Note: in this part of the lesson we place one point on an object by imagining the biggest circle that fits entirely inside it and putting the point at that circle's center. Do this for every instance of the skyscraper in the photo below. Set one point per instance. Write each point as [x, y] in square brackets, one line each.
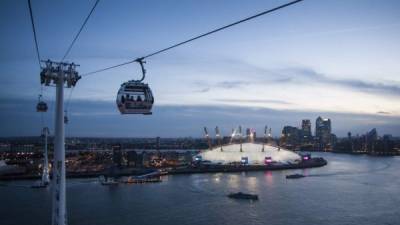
[306, 134]
[117, 155]
[248, 133]
[370, 138]
[290, 136]
[323, 132]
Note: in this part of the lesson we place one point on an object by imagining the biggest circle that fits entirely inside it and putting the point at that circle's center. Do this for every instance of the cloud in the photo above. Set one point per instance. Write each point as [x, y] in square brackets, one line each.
[268, 101]
[301, 75]
[203, 90]
[310, 75]
[207, 87]
[231, 84]
[258, 75]
[384, 112]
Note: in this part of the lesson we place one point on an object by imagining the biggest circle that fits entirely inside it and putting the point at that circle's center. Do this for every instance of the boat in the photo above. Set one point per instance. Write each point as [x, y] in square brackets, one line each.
[108, 181]
[240, 195]
[295, 176]
[139, 180]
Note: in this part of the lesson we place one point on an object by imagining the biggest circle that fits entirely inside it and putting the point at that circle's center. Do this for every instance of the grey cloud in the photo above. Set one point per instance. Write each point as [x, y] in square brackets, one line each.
[101, 118]
[203, 90]
[231, 84]
[255, 101]
[206, 87]
[303, 75]
[299, 74]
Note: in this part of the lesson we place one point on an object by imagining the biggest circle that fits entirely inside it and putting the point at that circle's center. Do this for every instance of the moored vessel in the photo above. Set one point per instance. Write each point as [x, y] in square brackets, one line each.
[240, 195]
[295, 176]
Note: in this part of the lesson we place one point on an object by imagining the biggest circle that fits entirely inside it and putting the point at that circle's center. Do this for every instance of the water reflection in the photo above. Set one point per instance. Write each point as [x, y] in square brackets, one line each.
[269, 178]
[252, 184]
[233, 181]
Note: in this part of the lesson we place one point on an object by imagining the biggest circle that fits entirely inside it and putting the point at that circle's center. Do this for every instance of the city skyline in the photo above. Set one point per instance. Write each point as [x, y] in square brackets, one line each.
[275, 70]
[188, 122]
[248, 108]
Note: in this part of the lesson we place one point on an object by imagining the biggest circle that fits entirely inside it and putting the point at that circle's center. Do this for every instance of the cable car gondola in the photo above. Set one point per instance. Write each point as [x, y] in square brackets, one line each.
[135, 97]
[66, 120]
[41, 106]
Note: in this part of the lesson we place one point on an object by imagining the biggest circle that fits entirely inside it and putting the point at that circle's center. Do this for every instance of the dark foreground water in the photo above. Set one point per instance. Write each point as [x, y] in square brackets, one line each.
[349, 190]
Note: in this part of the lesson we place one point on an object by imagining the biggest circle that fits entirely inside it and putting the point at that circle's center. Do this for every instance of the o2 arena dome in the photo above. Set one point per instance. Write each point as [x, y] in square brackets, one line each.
[251, 154]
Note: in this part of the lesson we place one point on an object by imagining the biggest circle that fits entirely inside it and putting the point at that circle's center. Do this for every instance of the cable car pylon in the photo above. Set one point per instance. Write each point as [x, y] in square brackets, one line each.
[61, 74]
[45, 173]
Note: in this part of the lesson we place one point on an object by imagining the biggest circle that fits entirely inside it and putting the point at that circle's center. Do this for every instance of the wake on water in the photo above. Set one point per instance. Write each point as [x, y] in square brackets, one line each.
[344, 173]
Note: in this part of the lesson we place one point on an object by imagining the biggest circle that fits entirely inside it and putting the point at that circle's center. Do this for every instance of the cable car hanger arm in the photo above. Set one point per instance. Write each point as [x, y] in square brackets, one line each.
[141, 62]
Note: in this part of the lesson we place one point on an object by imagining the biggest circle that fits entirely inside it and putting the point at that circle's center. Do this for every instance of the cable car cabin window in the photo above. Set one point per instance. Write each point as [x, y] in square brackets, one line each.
[135, 98]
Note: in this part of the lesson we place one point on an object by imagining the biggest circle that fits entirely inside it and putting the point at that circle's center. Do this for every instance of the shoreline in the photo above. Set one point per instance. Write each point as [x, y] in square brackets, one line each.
[312, 163]
[379, 154]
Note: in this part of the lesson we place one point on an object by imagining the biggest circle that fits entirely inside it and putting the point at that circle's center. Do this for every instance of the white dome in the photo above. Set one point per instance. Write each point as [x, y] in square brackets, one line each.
[231, 153]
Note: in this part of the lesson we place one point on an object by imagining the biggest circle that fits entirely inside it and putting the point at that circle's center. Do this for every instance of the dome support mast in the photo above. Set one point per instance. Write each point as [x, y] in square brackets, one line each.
[240, 138]
[218, 135]
[265, 138]
[208, 138]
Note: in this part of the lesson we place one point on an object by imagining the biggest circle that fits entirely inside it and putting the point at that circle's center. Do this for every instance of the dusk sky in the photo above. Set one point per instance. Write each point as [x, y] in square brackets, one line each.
[337, 59]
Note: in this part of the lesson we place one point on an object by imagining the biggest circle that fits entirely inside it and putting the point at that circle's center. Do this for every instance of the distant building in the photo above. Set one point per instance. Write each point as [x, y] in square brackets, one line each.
[117, 155]
[158, 143]
[323, 133]
[385, 146]
[290, 136]
[248, 134]
[131, 158]
[251, 154]
[306, 135]
[369, 143]
[370, 138]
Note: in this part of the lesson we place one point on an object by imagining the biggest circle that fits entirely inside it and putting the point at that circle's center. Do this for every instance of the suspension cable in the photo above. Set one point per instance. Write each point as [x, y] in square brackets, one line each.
[195, 38]
[69, 98]
[71, 45]
[34, 32]
[37, 54]
[80, 30]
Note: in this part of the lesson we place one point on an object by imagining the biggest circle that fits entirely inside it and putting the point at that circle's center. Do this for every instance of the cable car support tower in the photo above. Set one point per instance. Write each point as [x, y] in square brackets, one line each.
[62, 75]
[45, 173]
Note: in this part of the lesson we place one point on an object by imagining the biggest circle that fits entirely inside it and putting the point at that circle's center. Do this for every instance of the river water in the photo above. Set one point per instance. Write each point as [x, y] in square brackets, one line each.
[349, 190]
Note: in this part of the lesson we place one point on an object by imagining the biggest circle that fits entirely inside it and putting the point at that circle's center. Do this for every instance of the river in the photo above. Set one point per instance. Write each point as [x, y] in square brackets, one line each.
[351, 189]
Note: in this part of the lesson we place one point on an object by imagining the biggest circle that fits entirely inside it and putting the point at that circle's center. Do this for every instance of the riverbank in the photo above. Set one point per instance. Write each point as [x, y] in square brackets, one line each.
[383, 154]
[314, 162]
[201, 168]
